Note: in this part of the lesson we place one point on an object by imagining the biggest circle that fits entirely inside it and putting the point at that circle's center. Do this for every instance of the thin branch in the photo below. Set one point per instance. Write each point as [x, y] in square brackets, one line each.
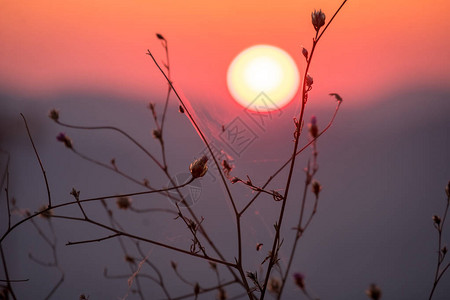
[94, 240]
[331, 20]
[60, 281]
[116, 170]
[440, 253]
[122, 233]
[6, 168]
[290, 159]
[158, 273]
[304, 99]
[237, 215]
[299, 230]
[197, 128]
[86, 200]
[14, 280]
[117, 130]
[5, 268]
[206, 290]
[7, 198]
[146, 210]
[39, 160]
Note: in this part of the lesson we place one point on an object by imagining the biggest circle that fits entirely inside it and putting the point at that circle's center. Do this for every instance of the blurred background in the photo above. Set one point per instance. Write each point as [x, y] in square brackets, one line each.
[383, 164]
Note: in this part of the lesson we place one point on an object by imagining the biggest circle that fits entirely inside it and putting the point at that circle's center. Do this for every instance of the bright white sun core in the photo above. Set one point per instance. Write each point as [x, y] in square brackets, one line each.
[263, 78]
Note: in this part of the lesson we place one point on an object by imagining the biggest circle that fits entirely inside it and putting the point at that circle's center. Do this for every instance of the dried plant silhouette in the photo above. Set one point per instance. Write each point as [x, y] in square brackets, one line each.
[272, 275]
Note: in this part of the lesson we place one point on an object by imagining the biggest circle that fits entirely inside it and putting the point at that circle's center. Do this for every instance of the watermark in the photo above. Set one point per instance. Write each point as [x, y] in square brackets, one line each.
[238, 135]
[262, 110]
[191, 192]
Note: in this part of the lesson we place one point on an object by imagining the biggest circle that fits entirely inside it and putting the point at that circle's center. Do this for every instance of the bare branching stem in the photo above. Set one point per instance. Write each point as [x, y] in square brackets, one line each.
[122, 132]
[86, 200]
[40, 162]
[202, 136]
[297, 134]
[441, 253]
[5, 269]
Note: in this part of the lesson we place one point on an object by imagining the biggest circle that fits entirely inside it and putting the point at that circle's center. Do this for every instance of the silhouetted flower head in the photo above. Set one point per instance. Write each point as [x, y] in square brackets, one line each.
[309, 81]
[157, 134]
[313, 129]
[316, 188]
[234, 180]
[274, 285]
[123, 202]
[129, 259]
[199, 167]
[47, 214]
[54, 115]
[436, 220]
[173, 264]
[299, 280]
[305, 52]
[62, 137]
[374, 292]
[318, 19]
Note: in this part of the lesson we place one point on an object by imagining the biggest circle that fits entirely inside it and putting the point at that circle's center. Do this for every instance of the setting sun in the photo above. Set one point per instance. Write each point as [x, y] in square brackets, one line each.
[263, 69]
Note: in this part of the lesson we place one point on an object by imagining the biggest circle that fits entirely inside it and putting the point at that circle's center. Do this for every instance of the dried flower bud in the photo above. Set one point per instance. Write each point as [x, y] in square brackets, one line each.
[222, 294]
[274, 285]
[199, 167]
[309, 81]
[123, 202]
[447, 190]
[157, 134]
[62, 137]
[305, 52]
[159, 36]
[436, 220]
[146, 182]
[196, 289]
[75, 194]
[318, 19]
[374, 292]
[299, 280]
[444, 250]
[277, 196]
[181, 109]
[337, 96]
[54, 115]
[213, 265]
[234, 180]
[46, 214]
[173, 264]
[259, 246]
[84, 297]
[316, 188]
[227, 168]
[129, 259]
[313, 129]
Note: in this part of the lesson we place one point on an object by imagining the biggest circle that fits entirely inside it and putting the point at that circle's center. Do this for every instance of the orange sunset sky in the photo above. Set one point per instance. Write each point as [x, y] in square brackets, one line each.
[374, 46]
[383, 163]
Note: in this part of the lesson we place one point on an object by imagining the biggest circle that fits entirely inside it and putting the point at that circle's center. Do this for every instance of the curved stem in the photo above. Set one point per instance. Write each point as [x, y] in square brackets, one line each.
[39, 160]
[88, 200]
[294, 154]
[117, 130]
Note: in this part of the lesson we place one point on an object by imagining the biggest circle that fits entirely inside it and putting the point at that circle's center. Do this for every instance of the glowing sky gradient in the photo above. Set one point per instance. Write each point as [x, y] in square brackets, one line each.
[383, 164]
[374, 45]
